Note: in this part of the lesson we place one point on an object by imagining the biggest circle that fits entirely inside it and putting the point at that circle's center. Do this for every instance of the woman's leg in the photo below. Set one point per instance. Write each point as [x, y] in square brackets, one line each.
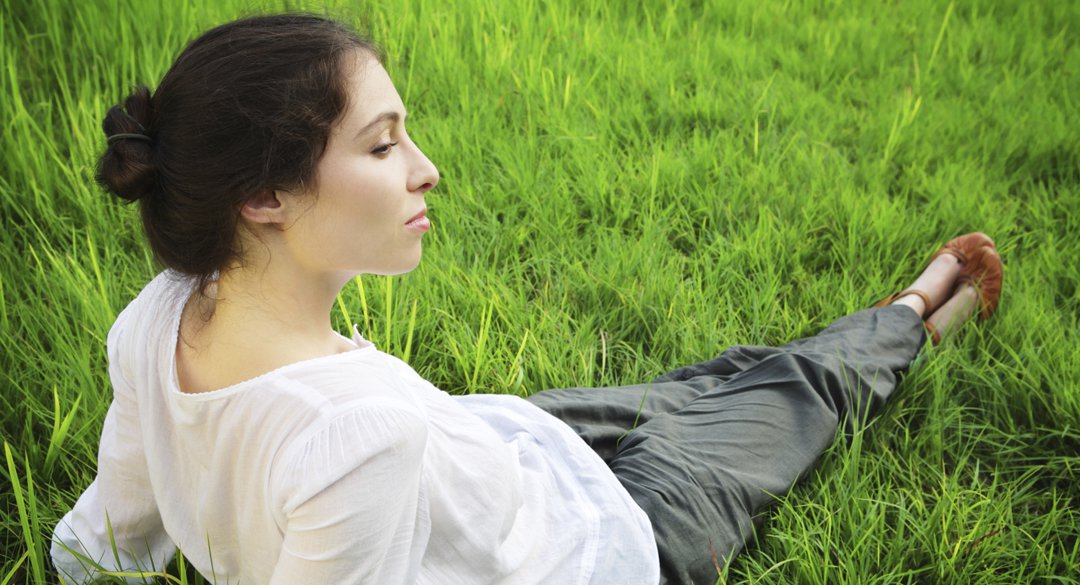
[702, 472]
[603, 417]
[705, 447]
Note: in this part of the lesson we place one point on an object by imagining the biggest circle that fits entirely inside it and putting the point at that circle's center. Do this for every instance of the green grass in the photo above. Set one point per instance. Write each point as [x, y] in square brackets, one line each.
[625, 190]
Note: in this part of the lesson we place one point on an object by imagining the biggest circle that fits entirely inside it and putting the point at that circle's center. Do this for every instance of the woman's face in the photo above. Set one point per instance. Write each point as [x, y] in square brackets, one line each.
[360, 216]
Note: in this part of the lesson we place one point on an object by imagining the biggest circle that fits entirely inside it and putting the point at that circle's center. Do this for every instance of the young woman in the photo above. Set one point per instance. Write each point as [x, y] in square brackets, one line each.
[272, 165]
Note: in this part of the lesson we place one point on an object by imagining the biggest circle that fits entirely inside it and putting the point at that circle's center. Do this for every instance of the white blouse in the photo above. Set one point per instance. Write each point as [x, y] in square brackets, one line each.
[348, 468]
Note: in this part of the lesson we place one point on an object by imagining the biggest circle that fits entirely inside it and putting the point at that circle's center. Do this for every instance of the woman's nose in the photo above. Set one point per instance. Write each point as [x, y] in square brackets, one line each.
[424, 176]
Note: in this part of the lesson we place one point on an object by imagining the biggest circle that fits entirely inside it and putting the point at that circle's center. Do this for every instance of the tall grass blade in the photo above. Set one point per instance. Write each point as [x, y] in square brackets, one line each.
[27, 511]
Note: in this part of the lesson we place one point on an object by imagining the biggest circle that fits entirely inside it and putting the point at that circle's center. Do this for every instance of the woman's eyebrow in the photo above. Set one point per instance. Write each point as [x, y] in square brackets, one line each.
[383, 117]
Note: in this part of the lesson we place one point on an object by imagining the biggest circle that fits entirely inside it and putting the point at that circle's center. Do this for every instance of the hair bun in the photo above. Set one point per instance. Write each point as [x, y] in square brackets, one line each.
[128, 168]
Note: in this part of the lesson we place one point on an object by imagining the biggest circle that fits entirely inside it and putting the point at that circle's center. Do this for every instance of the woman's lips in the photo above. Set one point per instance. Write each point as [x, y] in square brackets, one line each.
[419, 222]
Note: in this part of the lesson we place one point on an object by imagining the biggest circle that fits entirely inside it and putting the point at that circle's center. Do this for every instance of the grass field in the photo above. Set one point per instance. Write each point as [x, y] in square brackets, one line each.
[627, 187]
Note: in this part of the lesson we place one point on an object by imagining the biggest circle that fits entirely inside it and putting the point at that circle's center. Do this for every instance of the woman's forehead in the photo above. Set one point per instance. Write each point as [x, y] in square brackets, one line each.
[371, 95]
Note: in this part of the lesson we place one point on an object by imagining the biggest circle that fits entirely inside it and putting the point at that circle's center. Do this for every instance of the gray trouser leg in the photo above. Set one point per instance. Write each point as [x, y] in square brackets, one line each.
[705, 447]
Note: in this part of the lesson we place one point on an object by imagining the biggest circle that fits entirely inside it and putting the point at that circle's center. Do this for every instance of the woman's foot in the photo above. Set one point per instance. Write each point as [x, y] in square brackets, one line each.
[936, 282]
[956, 311]
[970, 269]
[962, 259]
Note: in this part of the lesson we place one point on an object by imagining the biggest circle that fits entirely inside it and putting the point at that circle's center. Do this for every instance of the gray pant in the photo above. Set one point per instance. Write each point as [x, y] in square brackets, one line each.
[705, 447]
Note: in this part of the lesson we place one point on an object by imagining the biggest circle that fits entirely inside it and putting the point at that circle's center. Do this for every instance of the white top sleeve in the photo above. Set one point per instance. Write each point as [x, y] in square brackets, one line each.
[120, 499]
[352, 501]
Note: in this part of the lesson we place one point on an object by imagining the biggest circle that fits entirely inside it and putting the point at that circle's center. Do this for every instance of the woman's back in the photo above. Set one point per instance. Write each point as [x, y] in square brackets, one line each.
[351, 463]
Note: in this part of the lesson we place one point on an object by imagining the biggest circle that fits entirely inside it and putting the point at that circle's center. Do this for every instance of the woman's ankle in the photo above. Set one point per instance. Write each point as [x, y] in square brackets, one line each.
[956, 311]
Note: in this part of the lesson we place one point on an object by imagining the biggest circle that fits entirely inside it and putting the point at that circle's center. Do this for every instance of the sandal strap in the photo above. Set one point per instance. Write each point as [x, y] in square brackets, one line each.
[935, 335]
[911, 291]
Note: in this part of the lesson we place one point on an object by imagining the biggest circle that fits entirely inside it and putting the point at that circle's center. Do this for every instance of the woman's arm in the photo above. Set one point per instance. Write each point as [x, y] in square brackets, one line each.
[118, 508]
[115, 523]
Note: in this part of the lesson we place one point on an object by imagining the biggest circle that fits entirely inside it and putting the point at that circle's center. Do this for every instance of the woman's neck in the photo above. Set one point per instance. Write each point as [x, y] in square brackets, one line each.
[250, 322]
[283, 302]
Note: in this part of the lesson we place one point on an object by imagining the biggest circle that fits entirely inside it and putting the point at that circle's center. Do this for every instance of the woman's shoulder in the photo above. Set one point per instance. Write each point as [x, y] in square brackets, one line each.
[138, 340]
[167, 287]
[158, 302]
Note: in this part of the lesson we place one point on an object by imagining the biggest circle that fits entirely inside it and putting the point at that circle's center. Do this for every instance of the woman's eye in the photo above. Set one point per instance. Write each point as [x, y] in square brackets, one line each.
[384, 149]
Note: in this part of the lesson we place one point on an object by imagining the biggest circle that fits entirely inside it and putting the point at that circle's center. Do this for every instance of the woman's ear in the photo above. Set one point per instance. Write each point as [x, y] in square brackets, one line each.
[266, 207]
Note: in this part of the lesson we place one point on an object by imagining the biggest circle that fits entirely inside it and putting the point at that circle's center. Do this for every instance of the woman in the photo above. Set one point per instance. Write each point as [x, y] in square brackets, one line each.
[271, 166]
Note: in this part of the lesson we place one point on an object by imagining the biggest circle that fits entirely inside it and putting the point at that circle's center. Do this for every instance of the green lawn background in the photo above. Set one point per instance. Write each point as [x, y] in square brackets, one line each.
[628, 187]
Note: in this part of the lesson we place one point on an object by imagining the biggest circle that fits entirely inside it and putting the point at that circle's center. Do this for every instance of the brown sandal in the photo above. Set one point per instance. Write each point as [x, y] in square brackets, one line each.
[965, 247]
[983, 271]
[980, 267]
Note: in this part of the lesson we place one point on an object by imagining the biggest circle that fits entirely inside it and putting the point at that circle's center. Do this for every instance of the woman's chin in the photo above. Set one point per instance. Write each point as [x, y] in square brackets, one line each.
[404, 266]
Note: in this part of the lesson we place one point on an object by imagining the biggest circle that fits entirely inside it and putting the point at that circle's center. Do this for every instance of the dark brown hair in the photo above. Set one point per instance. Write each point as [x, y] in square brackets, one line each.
[247, 106]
